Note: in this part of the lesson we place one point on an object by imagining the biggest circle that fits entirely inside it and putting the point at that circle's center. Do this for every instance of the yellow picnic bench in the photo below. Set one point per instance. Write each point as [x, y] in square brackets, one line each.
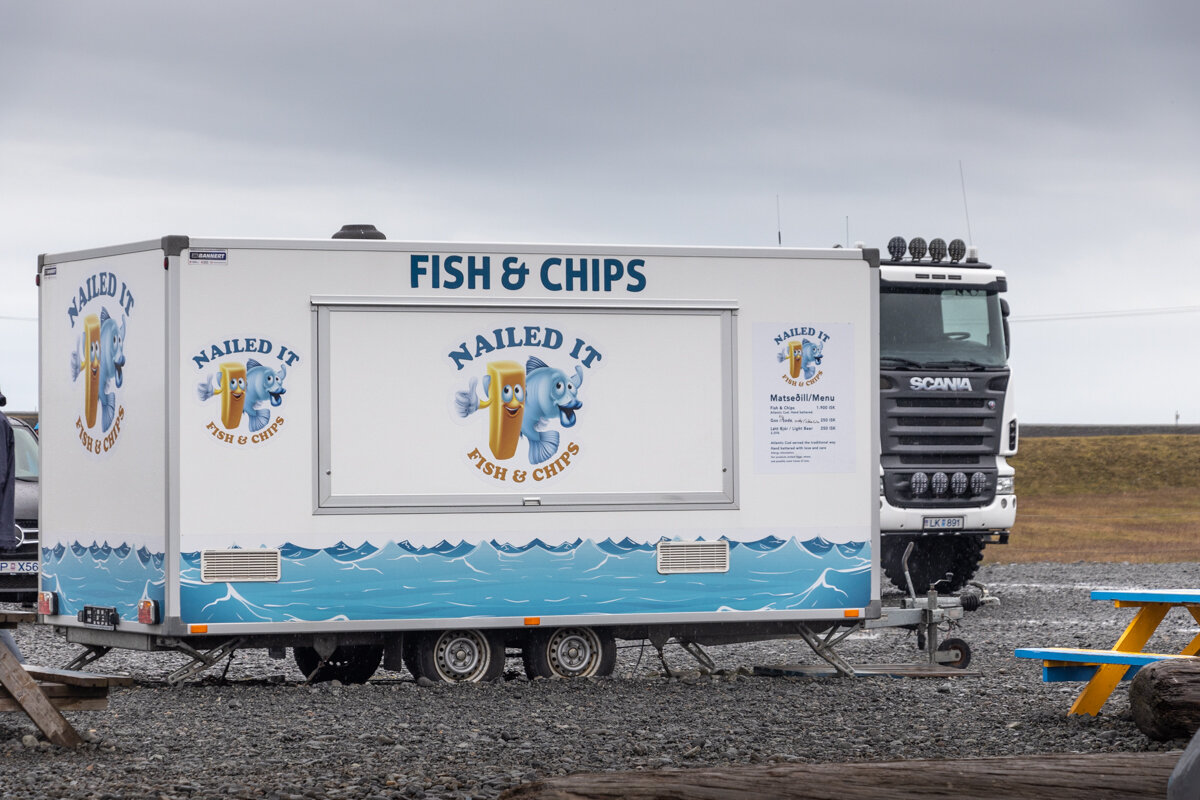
[1104, 669]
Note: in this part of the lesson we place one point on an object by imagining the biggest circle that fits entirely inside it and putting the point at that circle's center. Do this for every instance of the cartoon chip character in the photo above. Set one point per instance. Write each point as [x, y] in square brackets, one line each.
[91, 368]
[795, 353]
[504, 397]
[231, 385]
[505, 388]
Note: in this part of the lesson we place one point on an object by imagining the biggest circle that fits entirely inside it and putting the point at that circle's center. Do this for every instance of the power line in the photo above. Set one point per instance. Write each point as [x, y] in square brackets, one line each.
[1131, 312]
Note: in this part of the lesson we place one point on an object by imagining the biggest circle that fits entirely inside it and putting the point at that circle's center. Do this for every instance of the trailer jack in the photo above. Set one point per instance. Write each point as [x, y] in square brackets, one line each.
[92, 652]
[200, 660]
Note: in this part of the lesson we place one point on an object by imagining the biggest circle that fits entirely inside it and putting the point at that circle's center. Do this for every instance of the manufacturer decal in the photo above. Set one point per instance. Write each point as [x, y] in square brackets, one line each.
[99, 356]
[249, 390]
[532, 400]
[207, 256]
[927, 384]
[803, 349]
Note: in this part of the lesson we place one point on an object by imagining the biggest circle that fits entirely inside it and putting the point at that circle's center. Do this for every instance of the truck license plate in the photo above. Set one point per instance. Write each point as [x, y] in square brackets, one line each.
[943, 523]
[19, 567]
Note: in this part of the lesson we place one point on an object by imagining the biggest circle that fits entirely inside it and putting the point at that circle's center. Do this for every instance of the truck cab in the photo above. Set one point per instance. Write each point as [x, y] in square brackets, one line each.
[947, 418]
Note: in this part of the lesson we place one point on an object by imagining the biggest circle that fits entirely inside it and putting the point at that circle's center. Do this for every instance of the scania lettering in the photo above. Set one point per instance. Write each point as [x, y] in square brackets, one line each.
[947, 418]
[941, 384]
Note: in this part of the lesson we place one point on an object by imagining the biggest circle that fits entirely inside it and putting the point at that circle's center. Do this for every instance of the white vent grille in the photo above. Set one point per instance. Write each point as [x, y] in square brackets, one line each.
[220, 566]
[692, 557]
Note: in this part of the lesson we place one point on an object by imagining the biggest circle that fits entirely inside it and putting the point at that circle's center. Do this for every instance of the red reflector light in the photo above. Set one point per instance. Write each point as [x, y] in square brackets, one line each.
[47, 603]
[148, 612]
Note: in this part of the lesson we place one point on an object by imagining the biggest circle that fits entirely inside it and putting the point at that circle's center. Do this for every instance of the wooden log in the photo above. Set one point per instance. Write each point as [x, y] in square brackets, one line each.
[1164, 698]
[1104, 776]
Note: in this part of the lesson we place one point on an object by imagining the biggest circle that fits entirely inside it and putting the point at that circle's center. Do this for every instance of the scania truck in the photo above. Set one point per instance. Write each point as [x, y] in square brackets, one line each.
[947, 419]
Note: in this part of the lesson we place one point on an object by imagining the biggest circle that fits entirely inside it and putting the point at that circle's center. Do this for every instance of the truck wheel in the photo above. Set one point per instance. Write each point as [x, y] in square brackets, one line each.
[350, 663]
[570, 653]
[458, 656]
[931, 559]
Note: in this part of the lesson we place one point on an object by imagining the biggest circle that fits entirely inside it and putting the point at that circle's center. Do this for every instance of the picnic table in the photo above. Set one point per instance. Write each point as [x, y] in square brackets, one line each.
[1104, 669]
[44, 693]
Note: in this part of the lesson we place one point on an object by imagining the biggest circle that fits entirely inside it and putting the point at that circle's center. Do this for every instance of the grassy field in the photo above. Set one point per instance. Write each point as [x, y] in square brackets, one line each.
[1105, 498]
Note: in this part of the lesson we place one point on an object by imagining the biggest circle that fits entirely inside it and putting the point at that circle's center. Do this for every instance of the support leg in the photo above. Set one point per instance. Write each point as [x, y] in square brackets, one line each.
[1100, 687]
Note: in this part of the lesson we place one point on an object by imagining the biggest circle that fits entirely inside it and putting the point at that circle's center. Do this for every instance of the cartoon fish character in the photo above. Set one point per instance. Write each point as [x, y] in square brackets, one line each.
[550, 394]
[810, 357]
[263, 385]
[104, 346]
[506, 404]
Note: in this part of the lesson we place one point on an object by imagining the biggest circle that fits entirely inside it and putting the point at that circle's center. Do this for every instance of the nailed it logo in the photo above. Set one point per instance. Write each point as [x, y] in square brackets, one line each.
[537, 399]
[249, 390]
[99, 357]
[802, 353]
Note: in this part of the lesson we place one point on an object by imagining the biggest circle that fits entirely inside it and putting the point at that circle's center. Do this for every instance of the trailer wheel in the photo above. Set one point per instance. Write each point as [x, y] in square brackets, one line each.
[350, 663]
[931, 559]
[964, 653]
[570, 653]
[458, 656]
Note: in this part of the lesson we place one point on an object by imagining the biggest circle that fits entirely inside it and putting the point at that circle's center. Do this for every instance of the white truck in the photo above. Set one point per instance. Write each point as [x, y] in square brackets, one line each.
[430, 453]
[948, 419]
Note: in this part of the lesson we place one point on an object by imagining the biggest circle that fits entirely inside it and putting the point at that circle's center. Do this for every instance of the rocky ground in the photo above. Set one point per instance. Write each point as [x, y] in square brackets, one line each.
[259, 731]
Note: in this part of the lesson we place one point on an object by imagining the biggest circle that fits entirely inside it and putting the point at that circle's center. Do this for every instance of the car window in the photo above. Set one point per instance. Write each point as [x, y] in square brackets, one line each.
[26, 453]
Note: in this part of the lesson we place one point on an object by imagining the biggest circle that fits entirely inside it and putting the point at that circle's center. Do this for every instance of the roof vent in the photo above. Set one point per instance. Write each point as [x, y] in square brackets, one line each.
[359, 232]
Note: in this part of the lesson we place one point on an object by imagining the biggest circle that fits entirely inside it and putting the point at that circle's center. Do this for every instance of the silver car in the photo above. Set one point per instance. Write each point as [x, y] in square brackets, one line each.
[19, 567]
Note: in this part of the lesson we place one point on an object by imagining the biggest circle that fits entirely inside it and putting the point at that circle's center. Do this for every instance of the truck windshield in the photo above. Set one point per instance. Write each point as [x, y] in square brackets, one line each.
[940, 327]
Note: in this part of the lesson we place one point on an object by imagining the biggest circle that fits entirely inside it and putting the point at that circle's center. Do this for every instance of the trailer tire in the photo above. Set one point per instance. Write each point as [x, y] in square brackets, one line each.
[931, 559]
[963, 649]
[350, 663]
[570, 653]
[458, 656]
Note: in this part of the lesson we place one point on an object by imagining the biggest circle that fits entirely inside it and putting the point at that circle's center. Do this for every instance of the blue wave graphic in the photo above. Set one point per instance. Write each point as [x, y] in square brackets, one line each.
[489, 579]
[102, 575]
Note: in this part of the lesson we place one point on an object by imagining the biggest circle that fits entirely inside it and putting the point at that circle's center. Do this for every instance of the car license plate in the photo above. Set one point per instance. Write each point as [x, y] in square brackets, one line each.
[19, 567]
[943, 523]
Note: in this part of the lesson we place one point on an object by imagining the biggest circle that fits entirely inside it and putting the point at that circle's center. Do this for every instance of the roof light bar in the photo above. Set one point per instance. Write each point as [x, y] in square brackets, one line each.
[937, 250]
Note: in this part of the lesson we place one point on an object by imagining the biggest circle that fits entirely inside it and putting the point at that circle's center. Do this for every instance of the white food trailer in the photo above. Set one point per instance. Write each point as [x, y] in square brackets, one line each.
[370, 450]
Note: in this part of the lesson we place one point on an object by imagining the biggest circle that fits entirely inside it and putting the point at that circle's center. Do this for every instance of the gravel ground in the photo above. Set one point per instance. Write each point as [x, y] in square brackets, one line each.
[261, 732]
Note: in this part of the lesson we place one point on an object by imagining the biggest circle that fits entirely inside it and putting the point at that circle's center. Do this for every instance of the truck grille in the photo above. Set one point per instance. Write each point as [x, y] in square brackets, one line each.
[948, 431]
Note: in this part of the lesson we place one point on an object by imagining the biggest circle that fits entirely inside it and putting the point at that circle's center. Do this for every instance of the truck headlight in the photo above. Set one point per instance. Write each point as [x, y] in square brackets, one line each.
[1004, 484]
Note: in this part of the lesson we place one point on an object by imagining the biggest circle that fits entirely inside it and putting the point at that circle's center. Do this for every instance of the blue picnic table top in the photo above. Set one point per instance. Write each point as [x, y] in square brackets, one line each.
[1173, 596]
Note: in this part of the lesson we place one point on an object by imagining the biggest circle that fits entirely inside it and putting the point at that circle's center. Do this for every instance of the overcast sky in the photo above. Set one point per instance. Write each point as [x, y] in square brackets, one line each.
[1077, 127]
